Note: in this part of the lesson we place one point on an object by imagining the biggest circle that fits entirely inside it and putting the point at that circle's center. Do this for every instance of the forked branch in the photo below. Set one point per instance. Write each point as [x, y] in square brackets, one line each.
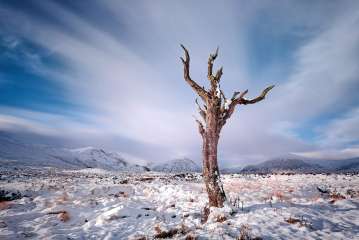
[201, 111]
[218, 75]
[214, 79]
[211, 59]
[244, 101]
[200, 127]
[235, 94]
[199, 90]
[227, 113]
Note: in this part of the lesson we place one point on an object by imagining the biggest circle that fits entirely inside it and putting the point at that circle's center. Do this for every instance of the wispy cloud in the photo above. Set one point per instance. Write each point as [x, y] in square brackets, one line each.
[341, 131]
[332, 154]
[124, 70]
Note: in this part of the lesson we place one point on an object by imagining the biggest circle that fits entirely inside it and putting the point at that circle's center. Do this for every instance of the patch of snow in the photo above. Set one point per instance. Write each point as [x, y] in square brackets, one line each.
[218, 91]
[111, 205]
[227, 103]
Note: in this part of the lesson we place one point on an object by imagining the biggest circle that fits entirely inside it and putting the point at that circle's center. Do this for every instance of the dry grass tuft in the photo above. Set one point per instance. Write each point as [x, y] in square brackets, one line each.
[302, 222]
[146, 179]
[5, 205]
[221, 218]
[182, 229]
[291, 220]
[282, 196]
[121, 194]
[352, 193]
[191, 236]
[163, 233]
[64, 216]
[246, 233]
[138, 237]
[205, 214]
[335, 196]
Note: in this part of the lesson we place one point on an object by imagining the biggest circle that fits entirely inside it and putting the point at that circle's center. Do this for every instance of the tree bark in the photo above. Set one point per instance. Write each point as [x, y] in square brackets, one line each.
[216, 111]
[211, 175]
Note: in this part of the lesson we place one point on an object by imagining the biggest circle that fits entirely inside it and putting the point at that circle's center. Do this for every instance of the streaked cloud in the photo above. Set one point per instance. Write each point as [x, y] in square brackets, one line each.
[119, 65]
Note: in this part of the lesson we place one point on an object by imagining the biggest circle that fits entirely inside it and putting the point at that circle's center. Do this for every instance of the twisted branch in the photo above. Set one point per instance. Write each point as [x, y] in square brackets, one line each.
[201, 111]
[214, 79]
[241, 100]
[235, 95]
[218, 75]
[200, 126]
[199, 90]
[215, 96]
[211, 59]
[244, 101]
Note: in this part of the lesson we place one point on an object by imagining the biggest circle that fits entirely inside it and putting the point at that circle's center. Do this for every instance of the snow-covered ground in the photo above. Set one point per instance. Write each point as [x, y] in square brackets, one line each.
[98, 204]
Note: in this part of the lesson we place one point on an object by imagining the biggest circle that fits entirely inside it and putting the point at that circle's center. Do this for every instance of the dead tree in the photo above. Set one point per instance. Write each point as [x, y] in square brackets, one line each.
[215, 112]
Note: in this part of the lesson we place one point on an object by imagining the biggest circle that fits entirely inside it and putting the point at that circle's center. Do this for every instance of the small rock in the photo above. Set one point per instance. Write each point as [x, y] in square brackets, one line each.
[125, 181]
[28, 234]
[3, 225]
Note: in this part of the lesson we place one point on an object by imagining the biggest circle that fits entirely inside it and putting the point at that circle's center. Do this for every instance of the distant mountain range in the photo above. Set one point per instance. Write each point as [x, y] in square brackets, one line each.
[229, 170]
[296, 165]
[177, 165]
[14, 153]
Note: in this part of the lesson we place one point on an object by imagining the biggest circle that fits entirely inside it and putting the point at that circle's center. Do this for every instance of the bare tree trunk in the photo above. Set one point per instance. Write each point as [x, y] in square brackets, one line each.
[211, 173]
[216, 111]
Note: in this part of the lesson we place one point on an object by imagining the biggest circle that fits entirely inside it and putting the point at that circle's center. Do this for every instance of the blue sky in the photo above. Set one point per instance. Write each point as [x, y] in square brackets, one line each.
[108, 74]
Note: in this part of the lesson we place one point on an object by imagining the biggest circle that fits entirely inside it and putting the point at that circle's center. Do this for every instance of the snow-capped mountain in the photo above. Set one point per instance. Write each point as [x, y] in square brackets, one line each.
[99, 158]
[344, 165]
[16, 153]
[305, 165]
[282, 165]
[177, 165]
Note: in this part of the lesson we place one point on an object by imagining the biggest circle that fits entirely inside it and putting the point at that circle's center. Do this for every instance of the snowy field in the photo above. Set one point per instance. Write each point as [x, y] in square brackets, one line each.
[96, 204]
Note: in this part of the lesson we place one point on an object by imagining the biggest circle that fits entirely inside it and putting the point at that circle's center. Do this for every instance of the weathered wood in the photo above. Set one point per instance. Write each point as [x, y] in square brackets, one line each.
[211, 59]
[217, 109]
[199, 90]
